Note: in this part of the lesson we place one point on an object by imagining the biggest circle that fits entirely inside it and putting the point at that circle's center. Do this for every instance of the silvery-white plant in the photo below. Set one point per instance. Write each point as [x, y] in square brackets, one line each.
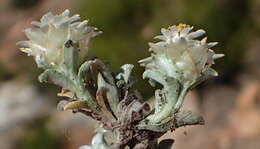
[178, 62]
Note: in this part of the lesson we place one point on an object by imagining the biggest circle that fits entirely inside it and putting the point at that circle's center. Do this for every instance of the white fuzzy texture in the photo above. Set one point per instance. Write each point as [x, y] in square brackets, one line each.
[179, 54]
[47, 38]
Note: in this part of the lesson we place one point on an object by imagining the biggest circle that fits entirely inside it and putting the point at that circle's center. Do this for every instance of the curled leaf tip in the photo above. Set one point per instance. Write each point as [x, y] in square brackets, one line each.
[76, 105]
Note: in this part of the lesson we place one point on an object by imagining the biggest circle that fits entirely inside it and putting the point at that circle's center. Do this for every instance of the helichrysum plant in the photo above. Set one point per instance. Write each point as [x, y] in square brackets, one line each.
[178, 62]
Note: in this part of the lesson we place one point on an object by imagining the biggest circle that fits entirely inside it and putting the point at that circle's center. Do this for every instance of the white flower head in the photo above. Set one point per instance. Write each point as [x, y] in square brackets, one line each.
[47, 38]
[180, 55]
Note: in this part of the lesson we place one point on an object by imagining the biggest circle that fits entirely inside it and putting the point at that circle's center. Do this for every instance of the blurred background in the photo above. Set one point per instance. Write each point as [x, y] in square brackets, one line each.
[229, 103]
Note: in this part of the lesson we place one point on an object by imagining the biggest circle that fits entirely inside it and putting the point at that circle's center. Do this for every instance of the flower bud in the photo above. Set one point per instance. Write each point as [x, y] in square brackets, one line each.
[47, 38]
[180, 55]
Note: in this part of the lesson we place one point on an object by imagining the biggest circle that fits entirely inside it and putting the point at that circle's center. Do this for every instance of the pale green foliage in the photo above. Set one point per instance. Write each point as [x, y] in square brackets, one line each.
[179, 62]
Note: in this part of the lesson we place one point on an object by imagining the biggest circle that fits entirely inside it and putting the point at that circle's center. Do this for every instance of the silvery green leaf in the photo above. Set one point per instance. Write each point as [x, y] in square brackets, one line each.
[196, 34]
[39, 59]
[212, 44]
[82, 24]
[145, 61]
[111, 92]
[74, 18]
[47, 17]
[185, 118]
[126, 72]
[160, 37]
[163, 126]
[170, 91]
[206, 74]
[36, 23]
[160, 100]
[53, 76]
[184, 29]
[65, 13]
[86, 66]
[152, 82]
[99, 142]
[165, 32]
[154, 75]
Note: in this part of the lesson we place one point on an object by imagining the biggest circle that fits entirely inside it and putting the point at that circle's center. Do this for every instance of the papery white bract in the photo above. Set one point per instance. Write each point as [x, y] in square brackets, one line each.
[179, 55]
[46, 40]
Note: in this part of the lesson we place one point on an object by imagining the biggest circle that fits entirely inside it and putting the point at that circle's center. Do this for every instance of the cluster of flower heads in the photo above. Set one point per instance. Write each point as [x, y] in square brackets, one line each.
[180, 55]
[47, 38]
